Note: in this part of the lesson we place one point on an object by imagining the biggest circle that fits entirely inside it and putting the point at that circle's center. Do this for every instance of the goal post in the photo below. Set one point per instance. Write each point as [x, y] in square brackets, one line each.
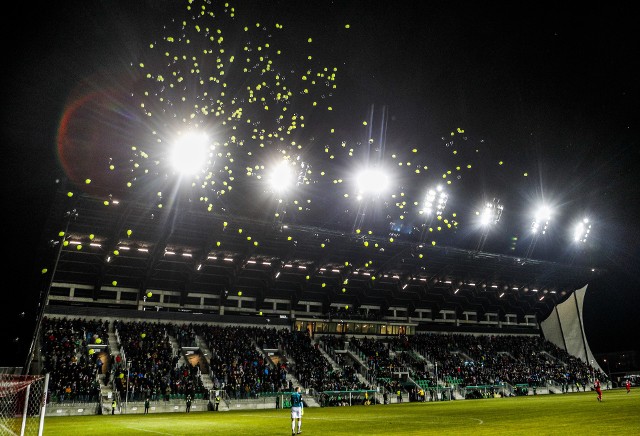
[23, 402]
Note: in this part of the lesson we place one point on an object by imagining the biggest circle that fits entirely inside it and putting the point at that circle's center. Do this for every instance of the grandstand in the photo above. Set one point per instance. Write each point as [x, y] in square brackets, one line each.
[199, 311]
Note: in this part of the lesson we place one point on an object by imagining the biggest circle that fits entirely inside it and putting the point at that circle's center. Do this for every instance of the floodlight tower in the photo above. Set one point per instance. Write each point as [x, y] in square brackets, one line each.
[539, 227]
[434, 203]
[284, 176]
[70, 215]
[370, 184]
[189, 152]
[372, 181]
[582, 230]
[490, 216]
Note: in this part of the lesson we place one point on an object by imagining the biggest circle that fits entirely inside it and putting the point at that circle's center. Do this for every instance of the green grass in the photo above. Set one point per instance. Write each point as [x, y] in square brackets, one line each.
[568, 414]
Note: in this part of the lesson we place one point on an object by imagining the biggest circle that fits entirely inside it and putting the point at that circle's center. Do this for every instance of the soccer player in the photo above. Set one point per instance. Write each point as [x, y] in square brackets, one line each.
[596, 385]
[628, 385]
[296, 410]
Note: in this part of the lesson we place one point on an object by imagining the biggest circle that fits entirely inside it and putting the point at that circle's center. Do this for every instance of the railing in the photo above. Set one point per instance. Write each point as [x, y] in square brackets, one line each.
[263, 400]
[350, 398]
[487, 391]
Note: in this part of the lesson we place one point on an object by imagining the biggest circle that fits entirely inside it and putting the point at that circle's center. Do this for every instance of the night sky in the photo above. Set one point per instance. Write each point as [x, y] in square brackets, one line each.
[534, 103]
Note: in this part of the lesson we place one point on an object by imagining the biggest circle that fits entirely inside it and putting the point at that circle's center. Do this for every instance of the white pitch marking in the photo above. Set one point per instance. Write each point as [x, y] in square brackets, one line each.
[148, 431]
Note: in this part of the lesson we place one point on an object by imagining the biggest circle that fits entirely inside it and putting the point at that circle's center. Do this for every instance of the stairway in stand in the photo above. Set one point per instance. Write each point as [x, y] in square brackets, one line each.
[206, 377]
[106, 389]
[177, 349]
[114, 346]
[333, 363]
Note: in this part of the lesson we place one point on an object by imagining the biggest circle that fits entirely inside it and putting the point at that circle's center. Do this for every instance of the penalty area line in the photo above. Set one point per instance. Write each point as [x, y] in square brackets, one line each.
[304, 418]
[148, 431]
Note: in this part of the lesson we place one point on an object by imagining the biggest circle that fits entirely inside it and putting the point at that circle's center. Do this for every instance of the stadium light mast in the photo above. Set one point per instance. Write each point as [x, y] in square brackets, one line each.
[373, 180]
[370, 183]
[69, 215]
[189, 151]
[435, 202]
[281, 179]
[581, 231]
[489, 217]
[539, 227]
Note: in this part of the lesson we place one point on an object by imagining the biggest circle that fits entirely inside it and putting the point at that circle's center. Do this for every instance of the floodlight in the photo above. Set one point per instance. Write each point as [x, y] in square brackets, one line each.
[541, 220]
[372, 181]
[491, 213]
[189, 152]
[435, 200]
[581, 231]
[486, 216]
[281, 177]
[539, 226]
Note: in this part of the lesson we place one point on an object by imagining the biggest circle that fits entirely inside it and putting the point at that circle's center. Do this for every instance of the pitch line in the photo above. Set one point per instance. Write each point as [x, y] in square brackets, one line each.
[149, 431]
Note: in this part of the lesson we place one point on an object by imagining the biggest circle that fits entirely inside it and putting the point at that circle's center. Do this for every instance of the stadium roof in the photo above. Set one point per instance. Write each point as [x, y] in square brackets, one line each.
[181, 247]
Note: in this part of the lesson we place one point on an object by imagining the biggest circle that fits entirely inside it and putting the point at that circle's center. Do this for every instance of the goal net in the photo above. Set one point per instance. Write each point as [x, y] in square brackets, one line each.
[22, 404]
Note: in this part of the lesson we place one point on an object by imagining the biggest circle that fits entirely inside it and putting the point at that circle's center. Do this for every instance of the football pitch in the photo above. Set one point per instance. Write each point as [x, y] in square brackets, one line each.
[555, 414]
